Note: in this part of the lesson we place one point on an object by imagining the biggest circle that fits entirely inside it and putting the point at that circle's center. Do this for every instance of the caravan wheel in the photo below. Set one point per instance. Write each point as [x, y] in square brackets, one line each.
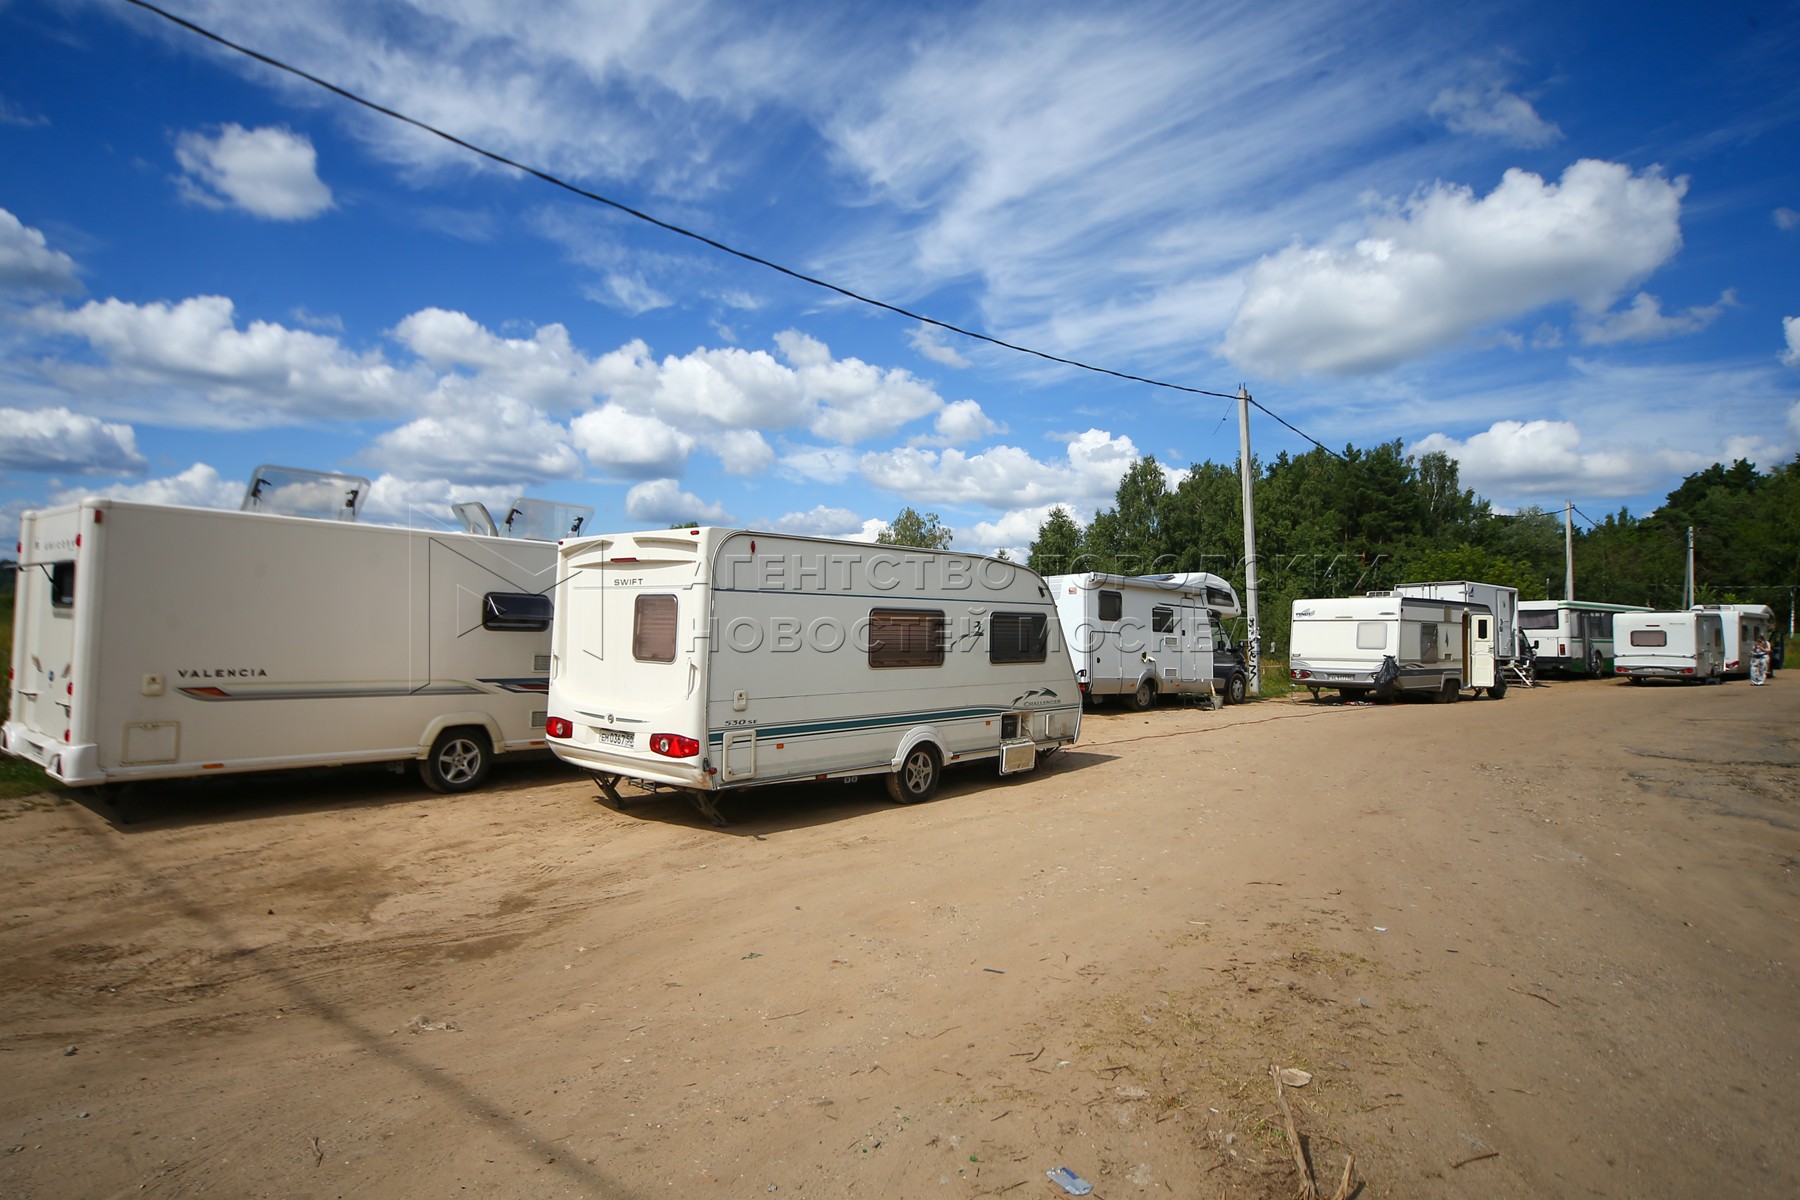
[458, 761]
[1236, 687]
[1144, 698]
[1595, 663]
[1450, 693]
[917, 779]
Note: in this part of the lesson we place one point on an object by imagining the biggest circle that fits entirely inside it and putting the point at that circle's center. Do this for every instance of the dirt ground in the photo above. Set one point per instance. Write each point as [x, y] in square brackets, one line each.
[1544, 946]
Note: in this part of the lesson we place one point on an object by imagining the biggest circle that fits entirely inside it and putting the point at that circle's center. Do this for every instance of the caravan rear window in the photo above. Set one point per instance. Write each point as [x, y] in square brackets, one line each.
[906, 637]
[1649, 637]
[519, 612]
[1112, 605]
[1018, 638]
[62, 585]
[653, 629]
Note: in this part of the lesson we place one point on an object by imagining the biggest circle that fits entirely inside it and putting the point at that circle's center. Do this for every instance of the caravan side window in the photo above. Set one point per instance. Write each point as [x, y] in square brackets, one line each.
[653, 629]
[1371, 635]
[906, 637]
[1649, 637]
[1112, 605]
[1162, 619]
[521, 612]
[62, 585]
[1018, 637]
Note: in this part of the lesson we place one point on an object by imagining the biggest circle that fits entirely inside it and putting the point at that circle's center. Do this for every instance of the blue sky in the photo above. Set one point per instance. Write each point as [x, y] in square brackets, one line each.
[1560, 242]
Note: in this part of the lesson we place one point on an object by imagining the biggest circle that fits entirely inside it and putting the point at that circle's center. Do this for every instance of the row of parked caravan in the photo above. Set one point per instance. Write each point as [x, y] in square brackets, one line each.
[155, 642]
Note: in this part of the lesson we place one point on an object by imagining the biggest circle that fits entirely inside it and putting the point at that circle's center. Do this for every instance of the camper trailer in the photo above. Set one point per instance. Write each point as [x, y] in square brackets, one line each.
[1571, 637]
[1144, 636]
[1388, 646]
[1498, 599]
[155, 642]
[1741, 625]
[708, 660]
[1685, 646]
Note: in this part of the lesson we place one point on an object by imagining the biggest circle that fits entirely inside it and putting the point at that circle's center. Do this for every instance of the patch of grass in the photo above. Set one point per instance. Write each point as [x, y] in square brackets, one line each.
[1275, 680]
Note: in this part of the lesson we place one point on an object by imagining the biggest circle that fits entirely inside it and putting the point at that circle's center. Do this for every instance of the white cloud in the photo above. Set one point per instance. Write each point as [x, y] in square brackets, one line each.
[1005, 476]
[1491, 110]
[661, 502]
[962, 421]
[1016, 530]
[931, 342]
[428, 503]
[28, 263]
[618, 442]
[1545, 460]
[742, 452]
[1791, 327]
[1432, 271]
[1644, 321]
[1786, 219]
[823, 521]
[629, 293]
[197, 487]
[266, 172]
[191, 364]
[545, 369]
[485, 440]
[55, 439]
[819, 464]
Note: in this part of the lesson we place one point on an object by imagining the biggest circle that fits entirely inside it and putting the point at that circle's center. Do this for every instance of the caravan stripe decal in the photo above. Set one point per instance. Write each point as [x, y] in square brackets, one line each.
[856, 724]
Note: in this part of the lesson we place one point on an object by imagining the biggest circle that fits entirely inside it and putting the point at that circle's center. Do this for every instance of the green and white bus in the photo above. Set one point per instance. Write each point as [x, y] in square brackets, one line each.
[1571, 637]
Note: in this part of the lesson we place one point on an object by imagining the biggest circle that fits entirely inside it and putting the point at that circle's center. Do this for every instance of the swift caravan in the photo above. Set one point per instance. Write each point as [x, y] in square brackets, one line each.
[1386, 646]
[155, 642]
[1571, 637]
[1741, 625]
[709, 660]
[1144, 636]
[1685, 646]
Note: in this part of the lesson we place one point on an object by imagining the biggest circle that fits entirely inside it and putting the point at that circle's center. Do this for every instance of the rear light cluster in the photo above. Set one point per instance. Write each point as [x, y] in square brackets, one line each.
[559, 727]
[1301, 674]
[673, 745]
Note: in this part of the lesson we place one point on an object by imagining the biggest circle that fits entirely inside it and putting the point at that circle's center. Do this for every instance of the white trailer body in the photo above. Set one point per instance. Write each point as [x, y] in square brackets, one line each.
[1685, 646]
[710, 659]
[1497, 598]
[1386, 646]
[1741, 625]
[1144, 636]
[154, 642]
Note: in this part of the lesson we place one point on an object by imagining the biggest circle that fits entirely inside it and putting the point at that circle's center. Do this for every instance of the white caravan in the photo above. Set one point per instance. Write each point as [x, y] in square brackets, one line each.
[1571, 637]
[1497, 598]
[1384, 646]
[1144, 636]
[154, 642]
[1684, 646]
[1741, 624]
[706, 660]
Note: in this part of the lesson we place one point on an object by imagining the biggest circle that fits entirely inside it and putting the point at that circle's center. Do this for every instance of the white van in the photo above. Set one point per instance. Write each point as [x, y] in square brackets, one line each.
[1684, 646]
[1145, 636]
[155, 642]
[706, 660]
[1385, 646]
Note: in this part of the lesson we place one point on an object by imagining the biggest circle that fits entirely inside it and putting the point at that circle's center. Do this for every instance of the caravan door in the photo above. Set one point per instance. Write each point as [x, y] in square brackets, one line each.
[1478, 635]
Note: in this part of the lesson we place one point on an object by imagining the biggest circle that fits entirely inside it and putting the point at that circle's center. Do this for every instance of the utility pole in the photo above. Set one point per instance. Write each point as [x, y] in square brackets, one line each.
[1687, 586]
[1253, 626]
[1568, 550]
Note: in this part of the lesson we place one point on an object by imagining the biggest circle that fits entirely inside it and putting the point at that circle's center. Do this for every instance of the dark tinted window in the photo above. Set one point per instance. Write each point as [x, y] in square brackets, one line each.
[1018, 637]
[515, 611]
[906, 637]
[1112, 605]
[1162, 620]
[62, 584]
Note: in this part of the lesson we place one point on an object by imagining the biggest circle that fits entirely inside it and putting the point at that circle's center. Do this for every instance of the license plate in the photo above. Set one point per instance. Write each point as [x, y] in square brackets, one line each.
[612, 737]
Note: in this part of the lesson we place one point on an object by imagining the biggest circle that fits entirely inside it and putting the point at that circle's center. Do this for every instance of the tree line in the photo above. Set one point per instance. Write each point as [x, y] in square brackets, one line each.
[1368, 519]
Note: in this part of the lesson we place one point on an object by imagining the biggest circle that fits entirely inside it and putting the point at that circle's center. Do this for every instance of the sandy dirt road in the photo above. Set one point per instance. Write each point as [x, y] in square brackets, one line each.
[1544, 946]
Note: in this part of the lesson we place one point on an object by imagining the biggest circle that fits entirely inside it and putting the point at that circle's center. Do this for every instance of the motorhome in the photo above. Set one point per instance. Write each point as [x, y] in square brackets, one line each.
[1741, 625]
[1497, 598]
[707, 660]
[158, 642]
[1140, 637]
[1571, 637]
[1685, 646]
[1386, 646]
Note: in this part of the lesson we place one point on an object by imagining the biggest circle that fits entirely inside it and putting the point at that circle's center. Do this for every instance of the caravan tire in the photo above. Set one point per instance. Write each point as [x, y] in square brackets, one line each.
[1498, 691]
[458, 762]
[1144, 698]
[1450, 693]
[1236, 688]
[1595, 663]
[917, 779]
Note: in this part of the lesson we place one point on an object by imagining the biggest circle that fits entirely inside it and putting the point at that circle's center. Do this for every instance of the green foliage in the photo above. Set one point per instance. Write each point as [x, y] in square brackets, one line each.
[913, 528]
[1057, 545]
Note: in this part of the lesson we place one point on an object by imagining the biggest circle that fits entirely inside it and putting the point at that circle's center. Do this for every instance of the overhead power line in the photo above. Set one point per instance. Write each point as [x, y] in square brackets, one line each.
[556, 181]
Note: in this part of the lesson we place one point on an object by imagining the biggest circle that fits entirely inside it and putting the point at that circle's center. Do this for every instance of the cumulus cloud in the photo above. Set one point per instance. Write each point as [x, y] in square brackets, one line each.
[1546, 458]
[197, 487]
[265, 172]
[495, 439]
[1445, 263]
[818, 464]
[959, 422]
[662, 502]
[932, 342]
[1791, 327]
[822, 521]
[619, 442]
[1005, 476]
[742, 452]
[55, 439]
[1644, 321]
[1491, 110]
[429, 503]
[202, 370]
[28, 263]
[1016, 530]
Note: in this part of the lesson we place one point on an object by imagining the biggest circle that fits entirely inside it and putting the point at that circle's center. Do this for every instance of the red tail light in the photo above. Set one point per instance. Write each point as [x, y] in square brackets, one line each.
[559, 727]
[673, 745]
